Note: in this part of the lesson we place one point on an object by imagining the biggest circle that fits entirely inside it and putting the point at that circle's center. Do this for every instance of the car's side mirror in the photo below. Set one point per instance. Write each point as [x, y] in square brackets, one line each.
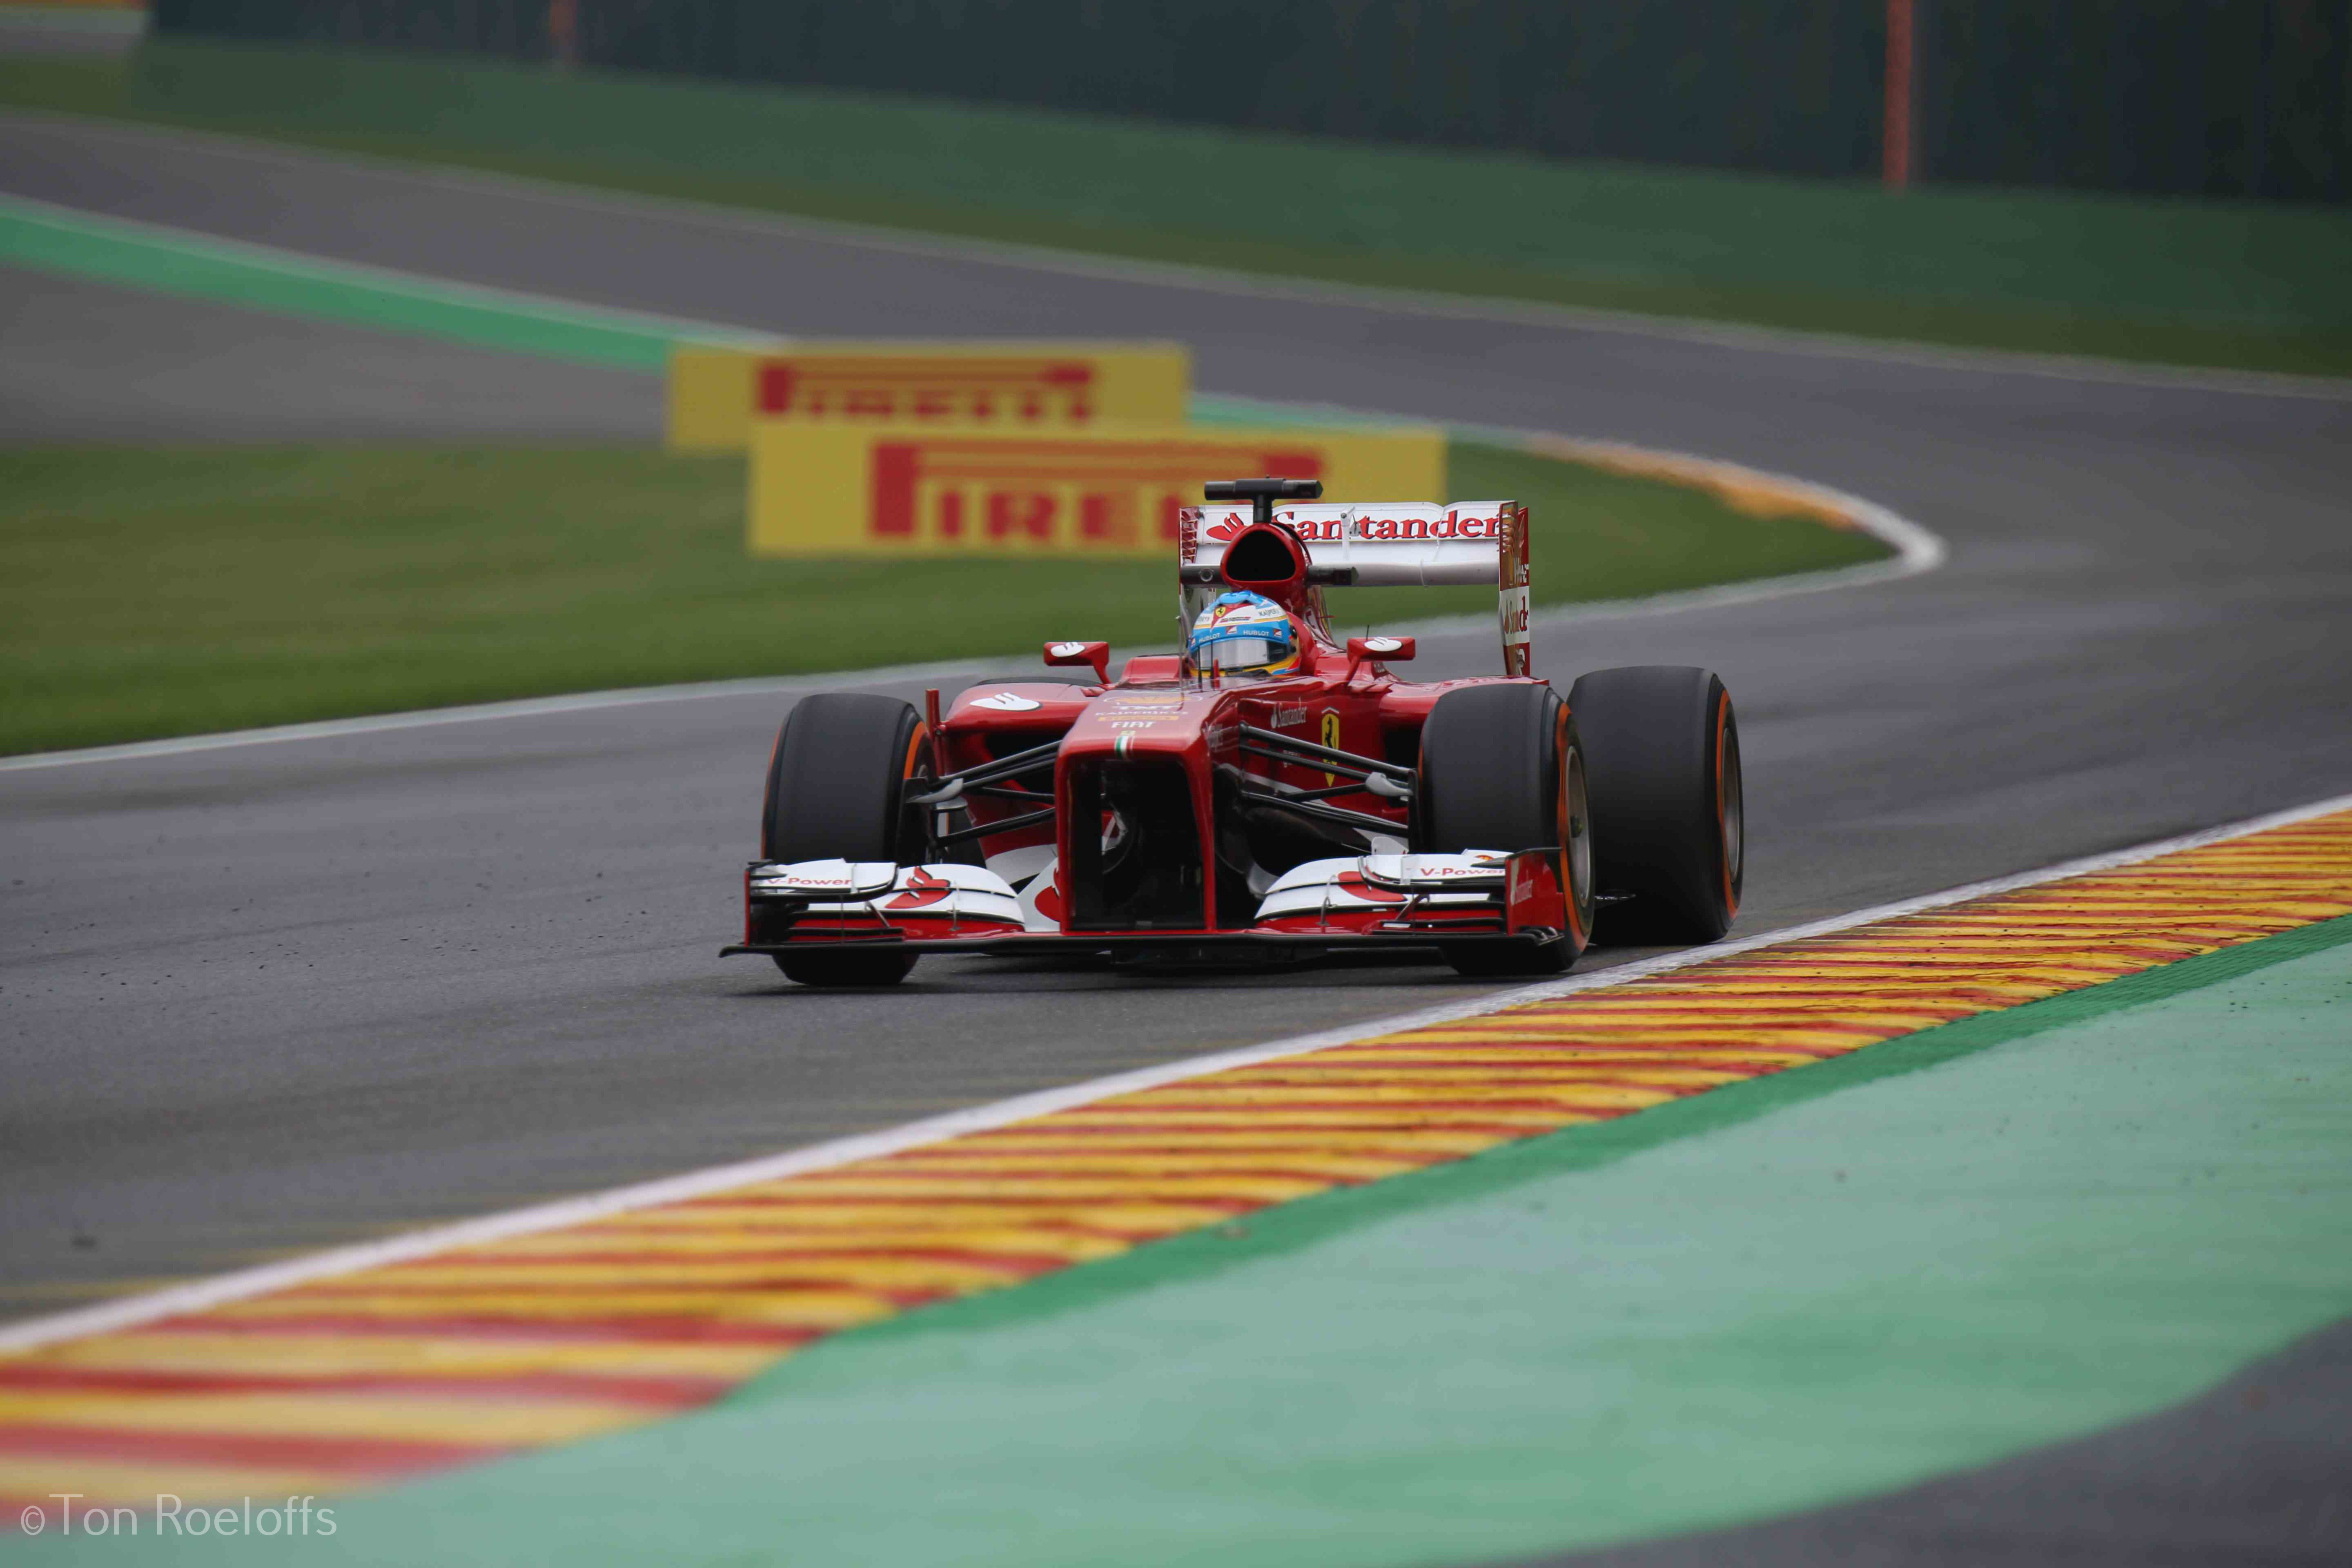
[1097, 654]
[1386, 650]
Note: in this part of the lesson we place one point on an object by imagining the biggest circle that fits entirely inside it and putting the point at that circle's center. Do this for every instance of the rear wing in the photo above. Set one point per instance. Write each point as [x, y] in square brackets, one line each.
[1399, 544]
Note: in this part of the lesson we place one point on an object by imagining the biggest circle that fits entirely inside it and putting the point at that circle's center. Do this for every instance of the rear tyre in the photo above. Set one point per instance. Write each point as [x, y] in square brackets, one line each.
[1502, 768]
[836, 789]
[1669, 818]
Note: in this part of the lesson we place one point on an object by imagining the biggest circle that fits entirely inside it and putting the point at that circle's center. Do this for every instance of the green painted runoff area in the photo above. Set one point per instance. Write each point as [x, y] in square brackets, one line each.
[2248, 284]
[1932, 1254]
[48, 239]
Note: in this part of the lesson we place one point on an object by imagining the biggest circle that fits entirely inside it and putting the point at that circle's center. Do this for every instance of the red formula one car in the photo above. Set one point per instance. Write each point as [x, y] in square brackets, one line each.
[1185, 813]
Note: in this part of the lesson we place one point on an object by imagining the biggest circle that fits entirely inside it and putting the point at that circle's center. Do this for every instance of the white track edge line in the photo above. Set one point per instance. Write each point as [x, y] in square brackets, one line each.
[520, 708]
[1916, 551]
[1917, 548]
[245, 1284]
[1254, 285]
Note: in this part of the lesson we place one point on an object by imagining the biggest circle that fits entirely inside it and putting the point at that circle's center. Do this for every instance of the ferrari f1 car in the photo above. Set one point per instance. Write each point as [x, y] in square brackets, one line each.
[1185, 813]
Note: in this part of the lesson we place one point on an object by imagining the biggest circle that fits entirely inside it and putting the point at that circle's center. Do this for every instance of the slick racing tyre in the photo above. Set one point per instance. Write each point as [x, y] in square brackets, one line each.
[1669, 822]
[836, 789]
[845, 967]
[1502, 768]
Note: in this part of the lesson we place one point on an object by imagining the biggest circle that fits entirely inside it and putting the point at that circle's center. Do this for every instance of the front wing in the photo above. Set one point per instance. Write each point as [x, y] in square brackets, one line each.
[1479, 897]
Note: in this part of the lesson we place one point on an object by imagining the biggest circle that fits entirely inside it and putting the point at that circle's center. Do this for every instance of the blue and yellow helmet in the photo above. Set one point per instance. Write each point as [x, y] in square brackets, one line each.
[1242, 634]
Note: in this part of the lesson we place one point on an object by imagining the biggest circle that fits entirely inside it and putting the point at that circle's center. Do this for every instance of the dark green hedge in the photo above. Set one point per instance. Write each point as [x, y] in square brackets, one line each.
[2208, 97]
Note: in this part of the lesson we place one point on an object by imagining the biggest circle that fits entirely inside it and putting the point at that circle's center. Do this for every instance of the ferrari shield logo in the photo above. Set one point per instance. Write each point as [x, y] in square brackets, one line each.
[1331, 738]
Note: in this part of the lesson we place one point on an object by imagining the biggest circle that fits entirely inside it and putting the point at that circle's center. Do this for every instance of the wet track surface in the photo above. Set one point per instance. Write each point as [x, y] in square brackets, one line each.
[82, 361]
[268, 998]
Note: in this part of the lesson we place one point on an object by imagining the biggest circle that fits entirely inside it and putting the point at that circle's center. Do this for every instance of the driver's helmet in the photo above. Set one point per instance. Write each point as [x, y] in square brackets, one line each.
[1243, 633]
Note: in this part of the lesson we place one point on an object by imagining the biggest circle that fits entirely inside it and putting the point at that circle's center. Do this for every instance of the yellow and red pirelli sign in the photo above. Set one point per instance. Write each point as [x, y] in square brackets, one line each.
[717, 393]
[820, 488]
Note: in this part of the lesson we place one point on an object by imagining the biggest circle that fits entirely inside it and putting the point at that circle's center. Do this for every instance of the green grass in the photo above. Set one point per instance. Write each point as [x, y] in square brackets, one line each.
[149, 592]
[2195, 282]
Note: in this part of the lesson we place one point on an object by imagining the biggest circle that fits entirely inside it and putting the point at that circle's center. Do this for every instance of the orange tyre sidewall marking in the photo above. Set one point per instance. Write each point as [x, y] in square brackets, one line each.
[1567, 833]
[915, 743]
[1722, 840]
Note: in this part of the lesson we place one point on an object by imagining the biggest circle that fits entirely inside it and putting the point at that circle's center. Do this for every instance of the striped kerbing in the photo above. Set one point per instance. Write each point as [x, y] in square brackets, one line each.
[398, 1370]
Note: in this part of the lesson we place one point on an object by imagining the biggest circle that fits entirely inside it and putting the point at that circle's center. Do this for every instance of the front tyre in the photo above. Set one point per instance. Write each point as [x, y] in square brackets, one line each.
[1502, 767]
[1669, 813]
[833, 966]
[836, 789]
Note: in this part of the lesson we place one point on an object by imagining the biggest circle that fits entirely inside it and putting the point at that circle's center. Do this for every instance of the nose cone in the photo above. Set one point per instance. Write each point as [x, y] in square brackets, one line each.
[1140, 723]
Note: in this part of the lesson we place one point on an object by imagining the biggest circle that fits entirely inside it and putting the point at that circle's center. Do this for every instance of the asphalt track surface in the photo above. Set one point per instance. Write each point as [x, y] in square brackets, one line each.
[48, 30]
[267, 998]
[2253, 1472]
[82, 361]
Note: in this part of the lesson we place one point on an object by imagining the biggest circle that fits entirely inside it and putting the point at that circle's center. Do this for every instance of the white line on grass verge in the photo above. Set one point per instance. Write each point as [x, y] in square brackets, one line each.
[1223, 281]
[522, 707]
[1916, 551]
[245, 1284]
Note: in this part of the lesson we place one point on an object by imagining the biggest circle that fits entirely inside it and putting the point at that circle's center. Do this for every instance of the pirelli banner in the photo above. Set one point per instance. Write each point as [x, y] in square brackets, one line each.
[716, 392]
[821, 489]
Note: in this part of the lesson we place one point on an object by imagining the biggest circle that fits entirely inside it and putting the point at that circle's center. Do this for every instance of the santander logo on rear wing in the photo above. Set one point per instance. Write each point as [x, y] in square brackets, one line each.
[1394, 544]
